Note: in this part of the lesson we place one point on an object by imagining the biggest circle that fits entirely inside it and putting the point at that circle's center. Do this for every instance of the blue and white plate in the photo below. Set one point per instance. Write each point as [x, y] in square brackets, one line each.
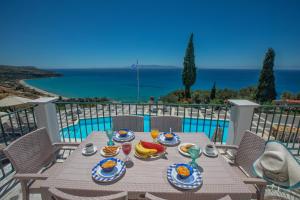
[173, 142]
[99, 175]
[192, 182]
[130, 136]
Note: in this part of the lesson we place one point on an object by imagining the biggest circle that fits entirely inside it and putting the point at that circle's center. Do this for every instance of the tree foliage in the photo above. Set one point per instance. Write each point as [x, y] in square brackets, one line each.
[266, 91]
[189, 68]
[213, 92]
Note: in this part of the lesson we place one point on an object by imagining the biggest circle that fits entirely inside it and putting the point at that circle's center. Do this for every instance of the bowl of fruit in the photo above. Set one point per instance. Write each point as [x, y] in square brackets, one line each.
[169, 136]
[123, 132]
[184, 170]
[108, 164]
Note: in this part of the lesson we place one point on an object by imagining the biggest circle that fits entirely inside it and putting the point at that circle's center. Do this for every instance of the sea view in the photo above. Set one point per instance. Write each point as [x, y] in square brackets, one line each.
[121, 84]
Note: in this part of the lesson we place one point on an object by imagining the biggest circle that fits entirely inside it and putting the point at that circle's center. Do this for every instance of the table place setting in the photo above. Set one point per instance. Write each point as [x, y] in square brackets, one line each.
[123, 135]
[169, 138]
[108, 170]
[89, 149]
[210, 151]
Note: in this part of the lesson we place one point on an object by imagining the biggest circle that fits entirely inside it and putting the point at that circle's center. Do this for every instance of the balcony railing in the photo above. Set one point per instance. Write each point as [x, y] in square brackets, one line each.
[280, 123]
[12, 126]
[78, 120]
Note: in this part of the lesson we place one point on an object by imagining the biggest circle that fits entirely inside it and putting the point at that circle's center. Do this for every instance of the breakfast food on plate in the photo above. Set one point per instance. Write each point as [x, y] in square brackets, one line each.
[150, 145]
[122, 132]
[169, 135]
[108, 164]
[110, 150]
[183, 171]
[185, 148]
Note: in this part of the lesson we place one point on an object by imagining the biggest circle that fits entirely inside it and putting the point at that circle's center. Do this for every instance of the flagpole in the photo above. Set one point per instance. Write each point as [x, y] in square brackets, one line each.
[138, 80]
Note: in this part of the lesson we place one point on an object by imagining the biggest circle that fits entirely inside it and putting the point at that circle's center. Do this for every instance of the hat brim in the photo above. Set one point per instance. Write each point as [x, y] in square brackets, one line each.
[293, 166]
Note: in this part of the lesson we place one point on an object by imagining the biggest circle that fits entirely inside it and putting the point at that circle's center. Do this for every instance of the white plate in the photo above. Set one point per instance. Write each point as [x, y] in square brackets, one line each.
[112, 155]
[184, 153]
[83, 151]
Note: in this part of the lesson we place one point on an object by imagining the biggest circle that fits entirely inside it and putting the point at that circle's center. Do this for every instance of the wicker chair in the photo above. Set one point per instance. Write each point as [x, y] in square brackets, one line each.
[134, 123]
[57, 194]
[250, 148]
[164, 123]
[33, 157]
[149, 196]
[227, 197]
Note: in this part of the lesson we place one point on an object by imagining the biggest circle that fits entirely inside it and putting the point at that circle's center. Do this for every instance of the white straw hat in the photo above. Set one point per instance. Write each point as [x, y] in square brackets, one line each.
[277, 165]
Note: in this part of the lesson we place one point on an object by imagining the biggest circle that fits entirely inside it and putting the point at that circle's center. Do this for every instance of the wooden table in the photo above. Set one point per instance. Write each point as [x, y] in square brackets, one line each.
[150, 176]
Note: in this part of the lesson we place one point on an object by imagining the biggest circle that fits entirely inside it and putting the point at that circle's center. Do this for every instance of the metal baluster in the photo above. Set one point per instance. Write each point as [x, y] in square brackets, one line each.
[12, 126]
[156, 109]
[73, 123]
[116, 108]
[33, 115]
[266, 119]
[79, 124]
[122, 109]
[191, 117]
[67, 122]
[177, 109]
[286, 119]
[211, 116]
[109, 113]
[281, 111]
[98, 125]
[197, 119]
[84, 116]
[136, 107]
[61, 125]
[252, 118]
[270, 131]
[226, 110]
[3, 132]
[183, 118]
[91, 116]
[129, 109]
[17, 116]
[205, 107]
[291, 127]
[170, 110]
[103, 117]
[296, 136]
[217, 125]
[258, 121]
[27, 121]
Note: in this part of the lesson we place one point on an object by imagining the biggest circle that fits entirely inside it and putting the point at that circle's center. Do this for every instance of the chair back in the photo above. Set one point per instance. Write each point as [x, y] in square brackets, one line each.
[164, 123]
[57, 194]
[149, 196]
[134, 123]
[31, 152]
[250, 148]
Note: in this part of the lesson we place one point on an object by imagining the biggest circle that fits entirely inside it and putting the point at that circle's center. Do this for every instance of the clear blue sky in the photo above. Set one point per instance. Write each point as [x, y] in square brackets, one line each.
[111, 33]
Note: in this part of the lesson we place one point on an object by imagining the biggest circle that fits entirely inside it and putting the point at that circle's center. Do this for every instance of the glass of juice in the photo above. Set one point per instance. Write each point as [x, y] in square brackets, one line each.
[126, 148]
[154, 134]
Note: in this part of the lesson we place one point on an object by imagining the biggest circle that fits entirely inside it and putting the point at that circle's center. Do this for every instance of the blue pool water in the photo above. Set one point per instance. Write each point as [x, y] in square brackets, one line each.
[84, 127]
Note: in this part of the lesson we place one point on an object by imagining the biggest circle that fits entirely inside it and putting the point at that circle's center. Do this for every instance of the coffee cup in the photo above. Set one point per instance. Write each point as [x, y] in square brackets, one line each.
[210, 148]
[89, 148]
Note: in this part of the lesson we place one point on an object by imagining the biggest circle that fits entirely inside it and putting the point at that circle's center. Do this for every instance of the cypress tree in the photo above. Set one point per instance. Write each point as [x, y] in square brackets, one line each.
[189, 68]
[213, 92]
[266, 91]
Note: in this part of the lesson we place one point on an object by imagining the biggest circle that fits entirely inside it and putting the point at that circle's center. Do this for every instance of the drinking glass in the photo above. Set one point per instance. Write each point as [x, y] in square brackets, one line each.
[194, 152]
[154, 134]
[126, 148]
[110, 134]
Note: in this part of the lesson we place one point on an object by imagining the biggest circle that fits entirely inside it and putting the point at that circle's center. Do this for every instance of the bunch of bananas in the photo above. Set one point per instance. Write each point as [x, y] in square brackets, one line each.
[144, 152]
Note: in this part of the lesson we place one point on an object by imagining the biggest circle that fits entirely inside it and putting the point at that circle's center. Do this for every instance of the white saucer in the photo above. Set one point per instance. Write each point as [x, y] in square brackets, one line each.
[213, 154]
[83, 151]
[186, 153]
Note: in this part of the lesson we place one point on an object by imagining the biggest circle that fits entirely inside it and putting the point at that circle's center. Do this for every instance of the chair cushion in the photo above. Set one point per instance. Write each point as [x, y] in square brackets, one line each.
[35, 186]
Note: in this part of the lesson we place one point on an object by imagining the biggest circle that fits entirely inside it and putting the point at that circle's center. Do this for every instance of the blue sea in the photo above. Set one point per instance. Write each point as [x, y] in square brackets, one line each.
[121, 84]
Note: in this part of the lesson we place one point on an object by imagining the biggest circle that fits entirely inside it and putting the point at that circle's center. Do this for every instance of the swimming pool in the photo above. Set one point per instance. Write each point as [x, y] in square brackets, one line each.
[86, 126]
